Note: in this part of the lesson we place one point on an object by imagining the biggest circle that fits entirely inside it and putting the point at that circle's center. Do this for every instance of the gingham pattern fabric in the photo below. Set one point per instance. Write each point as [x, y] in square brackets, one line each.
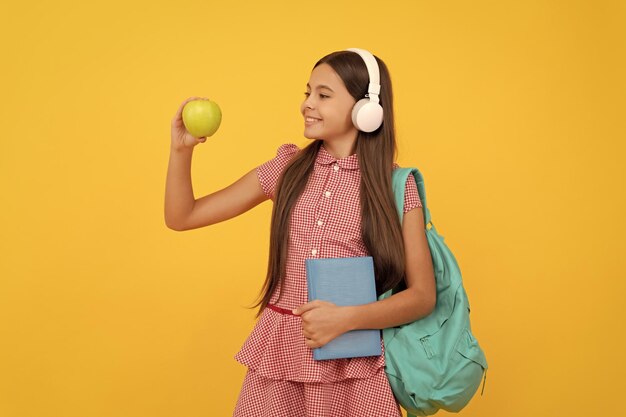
[325, 223]
[264, 397]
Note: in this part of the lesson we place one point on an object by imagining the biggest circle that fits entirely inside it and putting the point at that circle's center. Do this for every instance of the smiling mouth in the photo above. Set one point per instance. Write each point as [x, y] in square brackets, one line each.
[311, 121]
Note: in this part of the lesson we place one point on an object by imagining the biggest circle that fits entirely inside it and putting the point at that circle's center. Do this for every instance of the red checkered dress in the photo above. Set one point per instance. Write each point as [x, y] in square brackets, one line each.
[283, 379]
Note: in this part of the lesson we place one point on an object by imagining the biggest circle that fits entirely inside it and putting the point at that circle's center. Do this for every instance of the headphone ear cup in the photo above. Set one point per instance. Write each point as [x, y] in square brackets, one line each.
[367, 116]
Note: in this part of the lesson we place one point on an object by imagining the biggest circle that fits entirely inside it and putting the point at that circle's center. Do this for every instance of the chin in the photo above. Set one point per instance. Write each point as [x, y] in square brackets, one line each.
[308, 136]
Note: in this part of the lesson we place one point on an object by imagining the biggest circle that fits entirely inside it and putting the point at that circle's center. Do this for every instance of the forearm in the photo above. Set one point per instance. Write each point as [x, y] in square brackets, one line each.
[179, 198]
[403, 307]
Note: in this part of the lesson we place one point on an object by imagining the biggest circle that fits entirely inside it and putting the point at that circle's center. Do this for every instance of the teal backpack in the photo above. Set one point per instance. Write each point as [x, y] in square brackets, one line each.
[435, 362]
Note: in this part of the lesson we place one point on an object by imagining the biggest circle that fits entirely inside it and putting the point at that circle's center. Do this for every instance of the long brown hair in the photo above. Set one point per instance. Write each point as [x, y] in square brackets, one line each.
[380, 224]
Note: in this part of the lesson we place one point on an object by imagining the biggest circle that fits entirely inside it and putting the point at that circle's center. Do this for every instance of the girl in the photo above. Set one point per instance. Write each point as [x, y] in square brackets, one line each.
[332, 198]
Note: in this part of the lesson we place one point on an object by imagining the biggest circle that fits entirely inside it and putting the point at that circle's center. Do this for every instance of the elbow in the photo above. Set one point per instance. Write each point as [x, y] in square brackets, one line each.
[431, 299]
[432, 302]
[430, 295]
[428, 302]
[173, 226]
[174, 222]
[425, 303]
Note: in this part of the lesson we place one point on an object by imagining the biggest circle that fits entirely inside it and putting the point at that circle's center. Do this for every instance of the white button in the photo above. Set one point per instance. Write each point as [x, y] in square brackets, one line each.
[336, 167]
[319, 222]
[314, 251]
[327, 193]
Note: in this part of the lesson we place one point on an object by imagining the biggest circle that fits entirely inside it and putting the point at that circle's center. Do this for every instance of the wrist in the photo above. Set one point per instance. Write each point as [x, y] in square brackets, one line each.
[352, 314]
[181, 149]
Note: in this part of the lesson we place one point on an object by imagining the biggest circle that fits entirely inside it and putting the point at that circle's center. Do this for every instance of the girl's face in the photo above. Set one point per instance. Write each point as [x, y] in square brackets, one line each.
[328, 101]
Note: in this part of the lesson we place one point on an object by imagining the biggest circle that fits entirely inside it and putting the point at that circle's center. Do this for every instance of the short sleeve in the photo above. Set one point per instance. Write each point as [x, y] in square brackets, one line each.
[411, 196]
[269, 172]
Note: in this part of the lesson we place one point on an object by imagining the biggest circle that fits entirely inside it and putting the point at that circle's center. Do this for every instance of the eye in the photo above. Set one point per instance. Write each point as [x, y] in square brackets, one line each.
[321, 95]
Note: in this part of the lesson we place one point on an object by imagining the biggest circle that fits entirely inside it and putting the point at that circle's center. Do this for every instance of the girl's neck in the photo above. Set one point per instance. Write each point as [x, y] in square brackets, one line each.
[340, 149]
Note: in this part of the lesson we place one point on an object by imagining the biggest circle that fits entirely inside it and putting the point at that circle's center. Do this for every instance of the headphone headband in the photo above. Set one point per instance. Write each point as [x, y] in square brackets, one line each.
[373, 88]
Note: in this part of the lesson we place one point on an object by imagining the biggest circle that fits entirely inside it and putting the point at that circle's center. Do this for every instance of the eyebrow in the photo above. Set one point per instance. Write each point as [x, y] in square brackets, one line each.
[321, 86]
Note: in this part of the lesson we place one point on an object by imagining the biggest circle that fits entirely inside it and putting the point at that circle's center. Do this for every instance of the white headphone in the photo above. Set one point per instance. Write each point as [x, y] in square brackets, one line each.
[367, 113]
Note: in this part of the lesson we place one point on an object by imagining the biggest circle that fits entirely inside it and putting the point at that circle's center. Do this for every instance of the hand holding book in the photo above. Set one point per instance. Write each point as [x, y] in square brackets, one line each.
[322, 321]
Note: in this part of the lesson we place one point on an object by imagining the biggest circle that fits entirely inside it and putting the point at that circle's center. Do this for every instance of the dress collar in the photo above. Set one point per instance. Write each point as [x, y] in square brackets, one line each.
[348, 162]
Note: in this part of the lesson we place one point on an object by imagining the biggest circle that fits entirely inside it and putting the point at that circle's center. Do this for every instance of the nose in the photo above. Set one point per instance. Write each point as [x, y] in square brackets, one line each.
[308, 101]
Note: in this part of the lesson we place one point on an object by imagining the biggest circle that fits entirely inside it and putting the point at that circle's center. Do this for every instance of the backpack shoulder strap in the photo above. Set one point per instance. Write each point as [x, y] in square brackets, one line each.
[398, 181]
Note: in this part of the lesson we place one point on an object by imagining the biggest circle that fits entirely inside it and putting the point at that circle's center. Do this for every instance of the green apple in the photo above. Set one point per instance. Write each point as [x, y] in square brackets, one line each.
[202, 117]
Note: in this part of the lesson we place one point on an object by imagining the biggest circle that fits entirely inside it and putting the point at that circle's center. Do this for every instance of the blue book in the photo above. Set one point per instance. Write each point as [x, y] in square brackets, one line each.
[344, 282]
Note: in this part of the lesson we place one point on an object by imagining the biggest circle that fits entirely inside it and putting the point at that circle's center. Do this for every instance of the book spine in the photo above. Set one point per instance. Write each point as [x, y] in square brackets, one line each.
[311, 287]
[311, 296]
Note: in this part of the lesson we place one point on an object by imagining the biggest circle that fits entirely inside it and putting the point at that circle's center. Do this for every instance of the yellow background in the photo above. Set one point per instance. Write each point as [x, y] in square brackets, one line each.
[513, 111]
